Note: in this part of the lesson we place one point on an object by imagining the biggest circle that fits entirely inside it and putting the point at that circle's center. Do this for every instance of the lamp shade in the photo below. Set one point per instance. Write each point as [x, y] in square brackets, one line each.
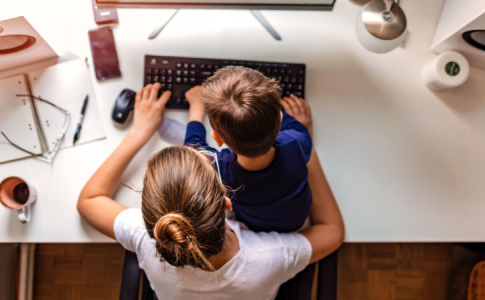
[381, 26]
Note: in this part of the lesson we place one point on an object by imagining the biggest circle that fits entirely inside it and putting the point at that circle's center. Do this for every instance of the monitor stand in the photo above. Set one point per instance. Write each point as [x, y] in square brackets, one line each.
[262, 20]
[256, 13]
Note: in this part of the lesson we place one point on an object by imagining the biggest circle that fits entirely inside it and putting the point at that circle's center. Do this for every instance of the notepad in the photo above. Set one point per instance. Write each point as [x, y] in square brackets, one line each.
[34, 125]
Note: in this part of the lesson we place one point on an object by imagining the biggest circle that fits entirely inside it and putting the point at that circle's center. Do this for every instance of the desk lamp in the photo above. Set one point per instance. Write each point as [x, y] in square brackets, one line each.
[381, 26]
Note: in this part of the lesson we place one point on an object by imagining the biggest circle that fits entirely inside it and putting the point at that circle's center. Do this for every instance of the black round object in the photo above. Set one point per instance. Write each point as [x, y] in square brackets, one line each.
[476, 38]
[15, 42]
[21, 193]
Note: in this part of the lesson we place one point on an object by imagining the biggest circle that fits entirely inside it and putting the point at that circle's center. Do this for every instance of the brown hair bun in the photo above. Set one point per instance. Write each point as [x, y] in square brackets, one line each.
[176, 240]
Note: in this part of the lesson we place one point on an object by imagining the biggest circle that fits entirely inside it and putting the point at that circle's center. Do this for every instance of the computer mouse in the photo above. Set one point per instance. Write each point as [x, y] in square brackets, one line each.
[123, 106]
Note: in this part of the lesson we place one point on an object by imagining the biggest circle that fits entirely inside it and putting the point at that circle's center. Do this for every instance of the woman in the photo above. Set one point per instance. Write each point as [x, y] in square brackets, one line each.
[181, 237]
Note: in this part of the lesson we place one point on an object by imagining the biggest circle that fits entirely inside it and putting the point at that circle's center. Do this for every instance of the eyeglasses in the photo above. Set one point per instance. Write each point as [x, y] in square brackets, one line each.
[47, 156]
[213, 159]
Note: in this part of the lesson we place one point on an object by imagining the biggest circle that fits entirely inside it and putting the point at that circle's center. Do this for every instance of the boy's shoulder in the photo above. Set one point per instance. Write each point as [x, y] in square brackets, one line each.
[226, 155]
[289, 137]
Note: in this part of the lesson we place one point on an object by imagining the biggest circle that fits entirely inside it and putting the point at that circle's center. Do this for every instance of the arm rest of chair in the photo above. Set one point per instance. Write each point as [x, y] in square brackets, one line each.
[130, 282]
[327, 277]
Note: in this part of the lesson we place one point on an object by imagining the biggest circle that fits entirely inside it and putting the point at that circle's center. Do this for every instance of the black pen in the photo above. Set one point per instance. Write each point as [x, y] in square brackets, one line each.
[80, 123]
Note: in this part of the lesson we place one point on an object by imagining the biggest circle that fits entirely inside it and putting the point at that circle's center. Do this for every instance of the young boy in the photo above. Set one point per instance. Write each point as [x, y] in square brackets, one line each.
[265, 164]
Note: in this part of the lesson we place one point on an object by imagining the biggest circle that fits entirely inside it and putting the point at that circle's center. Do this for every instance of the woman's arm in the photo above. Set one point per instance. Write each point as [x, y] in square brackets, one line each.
[95, 203]
[327, 232]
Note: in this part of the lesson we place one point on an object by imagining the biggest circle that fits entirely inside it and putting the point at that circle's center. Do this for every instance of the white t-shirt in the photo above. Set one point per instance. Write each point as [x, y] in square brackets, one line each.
[263, 263]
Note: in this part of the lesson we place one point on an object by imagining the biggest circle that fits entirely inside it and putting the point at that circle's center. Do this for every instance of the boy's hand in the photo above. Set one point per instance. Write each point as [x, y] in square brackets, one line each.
[148, 112]
[197, 107]
[300, 110]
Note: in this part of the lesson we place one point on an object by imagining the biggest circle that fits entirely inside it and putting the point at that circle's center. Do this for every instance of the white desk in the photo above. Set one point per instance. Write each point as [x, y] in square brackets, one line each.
[404, 164]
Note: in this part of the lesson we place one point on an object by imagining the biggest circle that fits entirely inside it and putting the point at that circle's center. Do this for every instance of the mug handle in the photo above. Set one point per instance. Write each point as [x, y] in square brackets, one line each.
[24, 214]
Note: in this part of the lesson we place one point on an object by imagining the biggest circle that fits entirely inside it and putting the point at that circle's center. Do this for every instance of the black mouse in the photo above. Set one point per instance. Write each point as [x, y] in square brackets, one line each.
[123, 106]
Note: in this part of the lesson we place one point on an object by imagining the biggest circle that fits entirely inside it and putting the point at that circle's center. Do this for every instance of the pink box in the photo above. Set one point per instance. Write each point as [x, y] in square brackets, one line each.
[33, 56]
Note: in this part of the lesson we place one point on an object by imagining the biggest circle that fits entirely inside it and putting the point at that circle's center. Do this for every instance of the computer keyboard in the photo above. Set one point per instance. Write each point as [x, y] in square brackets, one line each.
[179, 74]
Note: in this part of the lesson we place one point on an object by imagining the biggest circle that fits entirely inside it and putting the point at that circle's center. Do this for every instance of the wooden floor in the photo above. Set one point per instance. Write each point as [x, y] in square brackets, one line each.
[366, 271]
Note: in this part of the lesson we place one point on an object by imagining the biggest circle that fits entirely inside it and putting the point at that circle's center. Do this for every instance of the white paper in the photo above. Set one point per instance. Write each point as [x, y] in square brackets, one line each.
[66, 85]
[16, 120]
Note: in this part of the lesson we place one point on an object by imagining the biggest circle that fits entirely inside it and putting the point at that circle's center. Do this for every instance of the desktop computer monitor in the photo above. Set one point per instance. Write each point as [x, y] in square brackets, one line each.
[227, 4]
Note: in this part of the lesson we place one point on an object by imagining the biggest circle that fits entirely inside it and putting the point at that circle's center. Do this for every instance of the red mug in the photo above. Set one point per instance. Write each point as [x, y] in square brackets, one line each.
[18, 194]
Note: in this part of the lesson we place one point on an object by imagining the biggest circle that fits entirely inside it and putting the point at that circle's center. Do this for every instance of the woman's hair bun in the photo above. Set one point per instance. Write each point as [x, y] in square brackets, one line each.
[177, 243]
[173, 230]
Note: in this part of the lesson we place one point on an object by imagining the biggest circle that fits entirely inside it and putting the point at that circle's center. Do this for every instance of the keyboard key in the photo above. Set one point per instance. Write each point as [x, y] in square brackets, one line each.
[185, 102]
[202, 66]
[185, 80]
[164, 86]
[289, 86]
[193, 73]
[169, 86]
[178, 72]
[155, 79]
[283, 86]
[178, 101]
[186, 72]
[217, 67]
[286, 79]
[206, 73]
[163, 78]
[148, 71]
[155, 71]
[169, 72]
[192, 80]
[169, 79]
[209, 67]
[299, 87]
[148, 79]
[282, 71]
[279, 78]
[300, 80]
[186, 66]
[193, 66]
[298, 94]
[162, 71]
[178, 80]
[178, 65]
[289, 72]
[293, 79]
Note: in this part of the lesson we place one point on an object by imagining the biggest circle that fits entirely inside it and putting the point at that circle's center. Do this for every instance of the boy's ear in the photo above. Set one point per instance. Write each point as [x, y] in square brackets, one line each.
[281, 116]
[227, 204]
[217, 138]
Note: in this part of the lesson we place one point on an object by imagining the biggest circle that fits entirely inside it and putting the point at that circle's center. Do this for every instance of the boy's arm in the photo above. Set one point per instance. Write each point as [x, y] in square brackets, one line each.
[196, 133]
[297, 122]
[299, 110]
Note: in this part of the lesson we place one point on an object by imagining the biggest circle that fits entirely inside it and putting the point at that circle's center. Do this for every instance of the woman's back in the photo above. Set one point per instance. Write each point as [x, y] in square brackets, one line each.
[263, 262]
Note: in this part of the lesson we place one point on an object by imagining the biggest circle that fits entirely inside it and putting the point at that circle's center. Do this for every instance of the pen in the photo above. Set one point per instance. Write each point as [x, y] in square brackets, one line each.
[80, 122]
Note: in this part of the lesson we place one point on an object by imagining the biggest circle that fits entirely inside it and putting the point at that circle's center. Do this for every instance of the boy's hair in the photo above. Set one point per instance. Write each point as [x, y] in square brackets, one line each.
[244, 109]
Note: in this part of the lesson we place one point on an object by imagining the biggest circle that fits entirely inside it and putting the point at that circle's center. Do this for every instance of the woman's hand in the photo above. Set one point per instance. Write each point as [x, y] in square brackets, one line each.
[148, 112]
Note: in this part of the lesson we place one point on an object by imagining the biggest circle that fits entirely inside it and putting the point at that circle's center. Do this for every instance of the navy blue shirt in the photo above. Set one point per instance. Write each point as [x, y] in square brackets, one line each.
[276, 198]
